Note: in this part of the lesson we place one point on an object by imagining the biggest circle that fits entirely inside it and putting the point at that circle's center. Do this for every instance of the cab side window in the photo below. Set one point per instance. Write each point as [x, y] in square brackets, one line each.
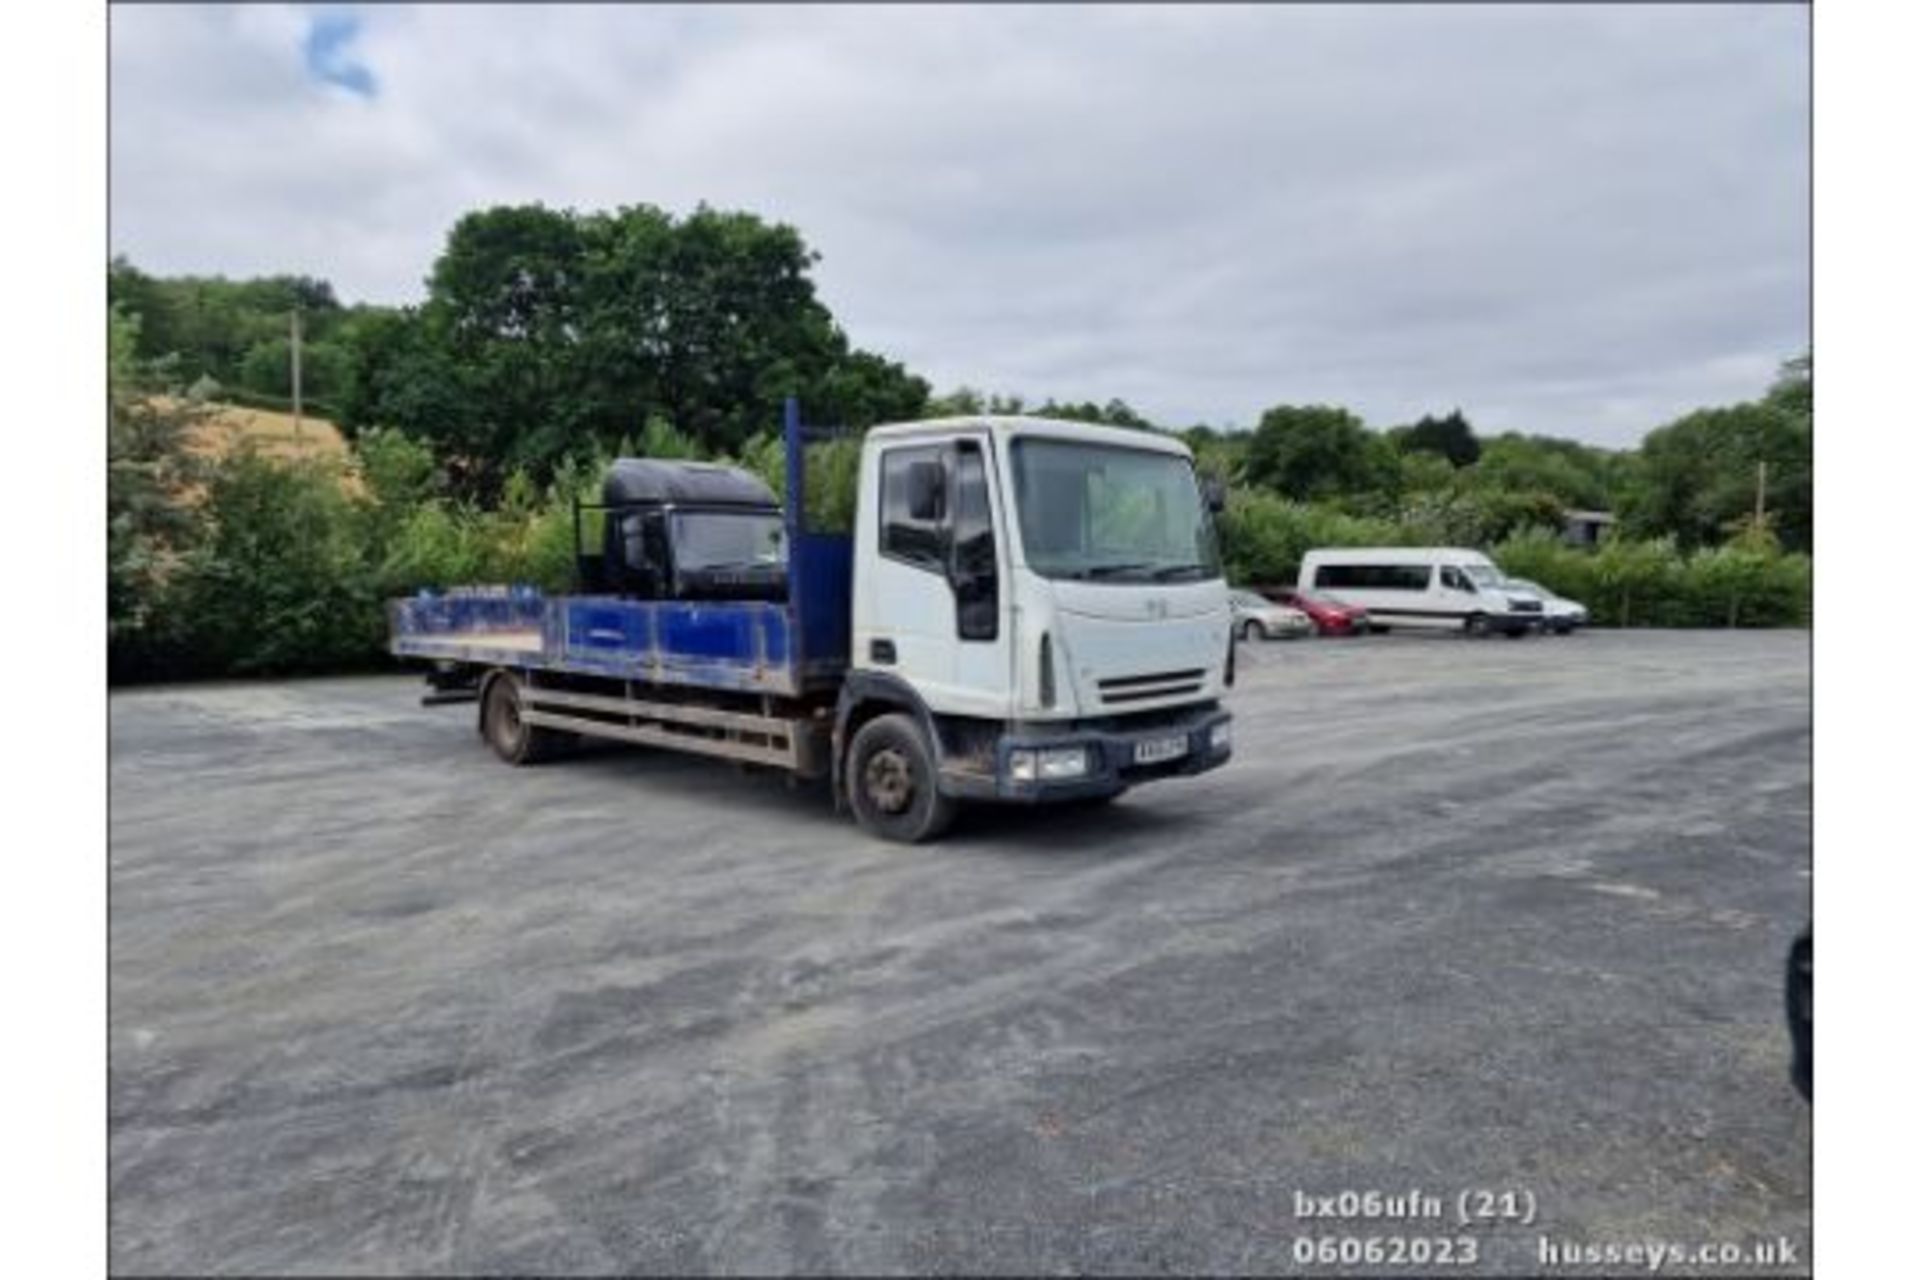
[919, 539]
[976, 590]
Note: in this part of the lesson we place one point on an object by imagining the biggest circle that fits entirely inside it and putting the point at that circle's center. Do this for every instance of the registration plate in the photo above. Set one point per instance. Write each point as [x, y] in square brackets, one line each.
[1154, 750]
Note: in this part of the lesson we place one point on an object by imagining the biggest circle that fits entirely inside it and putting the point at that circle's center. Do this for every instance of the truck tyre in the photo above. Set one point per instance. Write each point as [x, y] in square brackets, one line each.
[513, 739]
[892, 783]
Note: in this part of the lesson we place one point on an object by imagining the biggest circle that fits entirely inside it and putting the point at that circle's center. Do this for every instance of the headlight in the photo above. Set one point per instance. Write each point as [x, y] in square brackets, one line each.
[1053, 764]
[1063, 762]
[1220, 737]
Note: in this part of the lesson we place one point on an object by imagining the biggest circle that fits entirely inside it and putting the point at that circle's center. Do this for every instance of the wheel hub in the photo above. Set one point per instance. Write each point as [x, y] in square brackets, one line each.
[506, 718]
[889, 781]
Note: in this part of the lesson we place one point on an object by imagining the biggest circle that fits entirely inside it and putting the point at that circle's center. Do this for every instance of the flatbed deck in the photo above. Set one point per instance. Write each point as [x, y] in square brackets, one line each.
[791, 648]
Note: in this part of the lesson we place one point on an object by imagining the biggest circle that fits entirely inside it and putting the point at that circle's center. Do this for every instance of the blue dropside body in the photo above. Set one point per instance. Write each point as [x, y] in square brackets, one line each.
[787, 648]
[791, 647]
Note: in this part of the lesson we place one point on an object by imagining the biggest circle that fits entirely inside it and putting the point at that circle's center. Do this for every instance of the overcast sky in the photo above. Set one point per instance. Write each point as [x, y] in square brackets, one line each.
[1571, 220]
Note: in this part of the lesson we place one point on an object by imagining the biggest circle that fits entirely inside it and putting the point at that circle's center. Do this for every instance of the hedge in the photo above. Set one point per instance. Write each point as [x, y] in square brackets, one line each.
[289, 562]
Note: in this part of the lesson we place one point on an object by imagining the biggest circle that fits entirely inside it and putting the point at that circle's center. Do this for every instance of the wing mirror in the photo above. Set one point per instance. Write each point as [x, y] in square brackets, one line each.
[1214, 490]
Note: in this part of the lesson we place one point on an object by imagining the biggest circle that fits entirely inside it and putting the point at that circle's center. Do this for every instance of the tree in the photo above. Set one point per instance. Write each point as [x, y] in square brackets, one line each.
[863, 389]
[1792, 391]
[1576, 475]
[1317, 451]
[961, 402]
[1700, 475]
[1451, 437]
[505, 309]
[150, 472]
[210, 324]
[279, 580]
[555, 331]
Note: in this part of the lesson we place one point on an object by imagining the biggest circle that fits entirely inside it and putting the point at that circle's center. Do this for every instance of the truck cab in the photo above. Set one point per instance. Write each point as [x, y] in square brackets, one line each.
[1045, 600]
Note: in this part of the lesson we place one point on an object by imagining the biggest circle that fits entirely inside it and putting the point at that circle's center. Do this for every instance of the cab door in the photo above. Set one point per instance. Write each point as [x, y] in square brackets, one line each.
[982, 682]
[1457, 594]
[936, 615]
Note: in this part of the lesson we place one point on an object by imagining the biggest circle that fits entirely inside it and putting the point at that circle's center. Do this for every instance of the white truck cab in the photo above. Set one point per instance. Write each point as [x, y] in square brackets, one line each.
[1450, 587]
[1050, 597]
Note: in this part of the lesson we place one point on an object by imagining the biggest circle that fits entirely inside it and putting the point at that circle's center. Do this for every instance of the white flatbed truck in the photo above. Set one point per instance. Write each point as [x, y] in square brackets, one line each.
[1027, 610]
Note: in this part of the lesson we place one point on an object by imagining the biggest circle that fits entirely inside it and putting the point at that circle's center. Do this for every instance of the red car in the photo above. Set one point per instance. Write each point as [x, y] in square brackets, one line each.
[1330, 617]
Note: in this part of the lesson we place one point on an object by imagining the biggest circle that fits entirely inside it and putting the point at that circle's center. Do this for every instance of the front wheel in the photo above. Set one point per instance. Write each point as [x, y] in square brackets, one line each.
[1477, 624]
[1251, 630]
[892, 783]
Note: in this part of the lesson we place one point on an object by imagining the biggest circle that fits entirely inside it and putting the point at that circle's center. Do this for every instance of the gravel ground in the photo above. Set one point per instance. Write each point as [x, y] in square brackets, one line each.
[1460, 914]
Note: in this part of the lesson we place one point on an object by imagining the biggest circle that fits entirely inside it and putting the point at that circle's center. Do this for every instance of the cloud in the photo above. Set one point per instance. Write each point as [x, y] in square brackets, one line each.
[1568, 219]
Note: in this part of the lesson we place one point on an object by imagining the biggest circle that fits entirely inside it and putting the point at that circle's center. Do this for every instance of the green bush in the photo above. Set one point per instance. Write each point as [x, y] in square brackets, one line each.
[280, 581]
[437, 544]
[833, 477]
[269, 566]
[1652, 584]
[1263, 536]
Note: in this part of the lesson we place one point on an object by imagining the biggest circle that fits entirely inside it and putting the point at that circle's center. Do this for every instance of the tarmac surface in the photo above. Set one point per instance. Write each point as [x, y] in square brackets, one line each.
[1460, 915]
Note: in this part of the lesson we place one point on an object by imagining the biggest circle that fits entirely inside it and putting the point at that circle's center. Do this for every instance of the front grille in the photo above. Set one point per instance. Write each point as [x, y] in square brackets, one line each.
[1159, 684]
[1526, 606]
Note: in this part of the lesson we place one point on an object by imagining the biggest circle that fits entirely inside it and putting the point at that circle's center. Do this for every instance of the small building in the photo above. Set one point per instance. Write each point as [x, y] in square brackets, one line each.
[1586, 528]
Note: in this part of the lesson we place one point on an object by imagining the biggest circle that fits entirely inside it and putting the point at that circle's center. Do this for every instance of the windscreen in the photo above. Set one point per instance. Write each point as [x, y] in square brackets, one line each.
[1108, 512]
[728, 539]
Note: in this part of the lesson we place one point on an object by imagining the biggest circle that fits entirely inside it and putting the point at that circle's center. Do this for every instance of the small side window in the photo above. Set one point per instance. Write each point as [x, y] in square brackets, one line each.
[976, 587]
[916, 539]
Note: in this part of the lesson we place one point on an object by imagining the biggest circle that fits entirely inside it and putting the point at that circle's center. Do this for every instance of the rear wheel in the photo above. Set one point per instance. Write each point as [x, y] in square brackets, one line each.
[510, 736]
[892, 783]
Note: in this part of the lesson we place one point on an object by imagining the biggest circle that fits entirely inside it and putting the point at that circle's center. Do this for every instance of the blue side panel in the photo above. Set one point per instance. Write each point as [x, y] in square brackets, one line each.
[742, 645]
[821, 569]
[706, 633]
[612, 629]
[505, 626]
[467, 611]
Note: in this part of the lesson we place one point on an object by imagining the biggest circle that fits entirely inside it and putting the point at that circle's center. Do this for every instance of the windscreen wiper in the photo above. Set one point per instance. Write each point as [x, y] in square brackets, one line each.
[1166, 573]
[1112, 570]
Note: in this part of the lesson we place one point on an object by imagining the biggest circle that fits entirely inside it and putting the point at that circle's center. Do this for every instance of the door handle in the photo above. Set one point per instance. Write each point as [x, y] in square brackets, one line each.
[881, 651]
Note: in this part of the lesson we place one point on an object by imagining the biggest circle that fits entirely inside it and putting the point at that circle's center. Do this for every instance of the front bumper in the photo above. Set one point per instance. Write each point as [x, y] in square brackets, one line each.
[1111, 756]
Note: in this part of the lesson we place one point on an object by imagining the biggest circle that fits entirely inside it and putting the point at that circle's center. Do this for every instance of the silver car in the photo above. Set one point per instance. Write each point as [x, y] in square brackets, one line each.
[1257, 618]
[1559, 614]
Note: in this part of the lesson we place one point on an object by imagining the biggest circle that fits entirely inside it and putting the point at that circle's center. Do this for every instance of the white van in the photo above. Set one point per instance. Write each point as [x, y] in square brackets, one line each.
[1423, 587]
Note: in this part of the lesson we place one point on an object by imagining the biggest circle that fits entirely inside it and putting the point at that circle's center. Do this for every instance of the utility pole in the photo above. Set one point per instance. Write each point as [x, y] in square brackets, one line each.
[1760, 497]
[296, 375]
